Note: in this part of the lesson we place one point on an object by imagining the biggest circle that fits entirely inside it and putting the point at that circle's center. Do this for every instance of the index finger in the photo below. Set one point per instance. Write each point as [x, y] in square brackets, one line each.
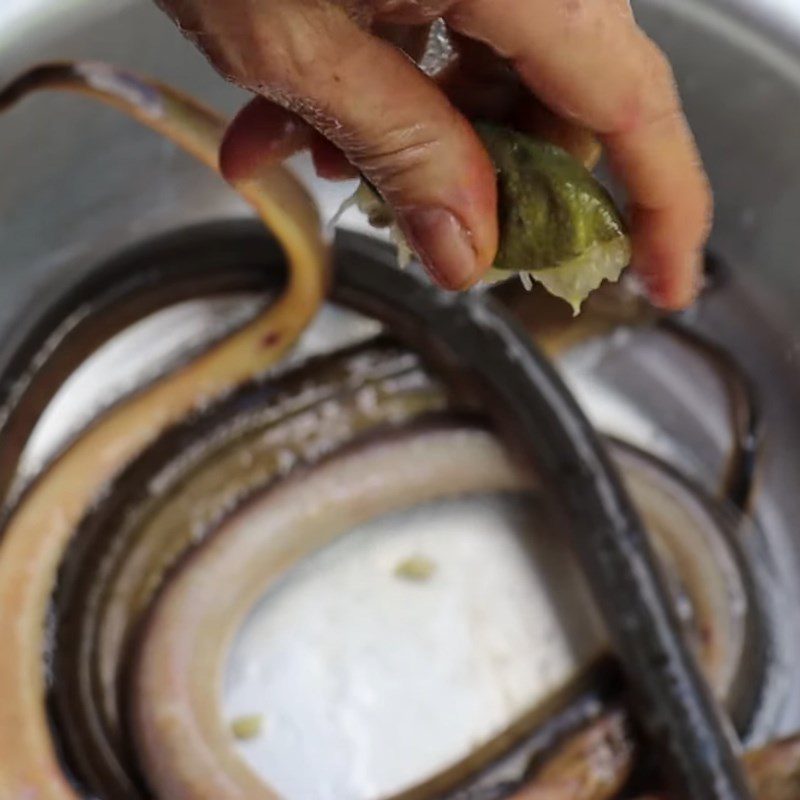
[590, 63]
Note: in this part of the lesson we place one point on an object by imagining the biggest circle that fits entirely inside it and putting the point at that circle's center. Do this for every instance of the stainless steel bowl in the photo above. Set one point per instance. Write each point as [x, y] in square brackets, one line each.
[80, 183]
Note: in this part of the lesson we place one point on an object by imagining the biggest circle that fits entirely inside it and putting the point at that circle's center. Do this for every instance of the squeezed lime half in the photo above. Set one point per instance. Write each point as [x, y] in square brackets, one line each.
[558, 224]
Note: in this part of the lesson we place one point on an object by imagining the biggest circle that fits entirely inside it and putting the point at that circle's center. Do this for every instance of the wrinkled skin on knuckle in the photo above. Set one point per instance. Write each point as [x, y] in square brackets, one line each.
[226, 34]
[582, 16]
[632, 107]
[266, 46]
[290, 50]
[659, 99]
[645, 90]
[394, 156]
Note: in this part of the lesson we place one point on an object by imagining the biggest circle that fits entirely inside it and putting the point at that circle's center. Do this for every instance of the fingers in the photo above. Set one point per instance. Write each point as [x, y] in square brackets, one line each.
[671, 204]
[586, 60]
[261, 133]
[590, 63]
[264, 133]
[538, 120]
[390, 121]
[478, 82]
[330, 162]
[484, 86]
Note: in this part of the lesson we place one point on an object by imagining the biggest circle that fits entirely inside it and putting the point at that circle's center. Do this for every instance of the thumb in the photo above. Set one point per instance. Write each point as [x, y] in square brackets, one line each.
[391, 121]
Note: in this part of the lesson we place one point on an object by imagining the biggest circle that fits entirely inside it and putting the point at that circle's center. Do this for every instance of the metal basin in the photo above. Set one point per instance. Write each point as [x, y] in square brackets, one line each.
[80, 183]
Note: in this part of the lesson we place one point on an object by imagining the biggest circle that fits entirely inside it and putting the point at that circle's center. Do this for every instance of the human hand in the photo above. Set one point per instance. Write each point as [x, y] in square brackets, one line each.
[335, 76]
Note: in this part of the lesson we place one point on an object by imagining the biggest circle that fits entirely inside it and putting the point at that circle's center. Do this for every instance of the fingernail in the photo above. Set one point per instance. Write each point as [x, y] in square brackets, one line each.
[688, 290]
[671, 295]
[442, 244]
[699, 274]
